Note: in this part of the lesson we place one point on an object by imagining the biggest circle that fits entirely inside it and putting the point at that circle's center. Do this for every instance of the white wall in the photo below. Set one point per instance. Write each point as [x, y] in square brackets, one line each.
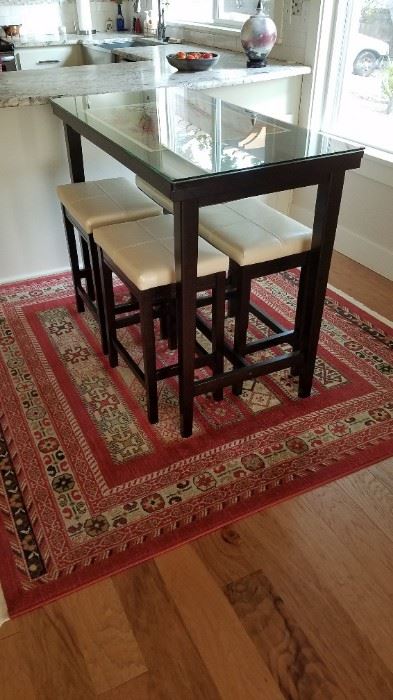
[32, 240]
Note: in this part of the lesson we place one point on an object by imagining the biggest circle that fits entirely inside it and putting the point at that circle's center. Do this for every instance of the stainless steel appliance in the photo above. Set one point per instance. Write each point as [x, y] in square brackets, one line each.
[7, 57]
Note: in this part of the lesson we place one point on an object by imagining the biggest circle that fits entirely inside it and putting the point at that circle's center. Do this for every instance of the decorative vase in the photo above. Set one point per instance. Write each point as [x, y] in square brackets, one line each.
[258, 36]
[119, 19]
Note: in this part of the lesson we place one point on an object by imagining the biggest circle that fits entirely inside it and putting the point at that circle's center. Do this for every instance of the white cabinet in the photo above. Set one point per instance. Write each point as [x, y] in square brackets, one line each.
[48, 57]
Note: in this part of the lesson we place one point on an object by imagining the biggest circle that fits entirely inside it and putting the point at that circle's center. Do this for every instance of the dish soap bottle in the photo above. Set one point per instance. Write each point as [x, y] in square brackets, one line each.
[119, 19]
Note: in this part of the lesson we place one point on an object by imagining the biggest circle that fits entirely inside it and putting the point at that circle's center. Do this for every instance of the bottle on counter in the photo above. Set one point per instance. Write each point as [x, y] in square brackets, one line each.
[119, 19]
[138, 26]
[148, 24]
[109, 25]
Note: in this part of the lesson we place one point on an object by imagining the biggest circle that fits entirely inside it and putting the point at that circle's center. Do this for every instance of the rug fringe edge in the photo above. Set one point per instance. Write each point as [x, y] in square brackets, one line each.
[361, 306]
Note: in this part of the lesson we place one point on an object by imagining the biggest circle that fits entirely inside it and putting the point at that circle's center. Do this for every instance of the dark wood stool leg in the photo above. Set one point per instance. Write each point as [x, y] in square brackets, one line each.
[88, 269]
[241, 319]
[172, 327]
[74, 261]
[218, 317]
[164, 321]
[233, 282]
[109, 308]
[95, 267]
[149, 354]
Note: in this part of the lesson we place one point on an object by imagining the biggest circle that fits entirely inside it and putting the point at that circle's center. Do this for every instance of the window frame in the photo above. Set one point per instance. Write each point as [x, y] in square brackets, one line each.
[320, 54]
[219, 16]
[219, 19]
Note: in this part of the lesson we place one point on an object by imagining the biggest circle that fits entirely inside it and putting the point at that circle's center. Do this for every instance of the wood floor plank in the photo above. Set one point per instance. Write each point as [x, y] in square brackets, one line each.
[294, 663]
[366, 541]
[102, 633]
[176, 670]
[233, 661]
[136, 689]
[362, 284]
[261, 543]
[51, 657]
[226, 554]
[15, 681]
[384, 472]
[373, 496]
[360, 594]
[9, 628]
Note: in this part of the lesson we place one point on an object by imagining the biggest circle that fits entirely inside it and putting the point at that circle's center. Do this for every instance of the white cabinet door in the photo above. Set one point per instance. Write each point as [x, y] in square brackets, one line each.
[48, 57]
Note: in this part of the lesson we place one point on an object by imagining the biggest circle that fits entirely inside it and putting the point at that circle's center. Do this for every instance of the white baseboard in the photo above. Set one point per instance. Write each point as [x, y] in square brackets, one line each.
[349, 243]
[34, 275]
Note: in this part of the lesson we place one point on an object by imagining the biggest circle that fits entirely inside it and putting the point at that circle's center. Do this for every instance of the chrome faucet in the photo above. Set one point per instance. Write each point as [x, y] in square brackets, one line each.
[161, 28]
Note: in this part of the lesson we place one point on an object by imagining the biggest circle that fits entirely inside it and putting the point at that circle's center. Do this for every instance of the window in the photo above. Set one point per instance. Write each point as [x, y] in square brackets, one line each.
[238, 10]
[359, 103]
[229, 12]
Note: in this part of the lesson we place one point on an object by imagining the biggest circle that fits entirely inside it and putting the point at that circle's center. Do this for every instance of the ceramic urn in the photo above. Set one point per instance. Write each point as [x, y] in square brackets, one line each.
[258, 36]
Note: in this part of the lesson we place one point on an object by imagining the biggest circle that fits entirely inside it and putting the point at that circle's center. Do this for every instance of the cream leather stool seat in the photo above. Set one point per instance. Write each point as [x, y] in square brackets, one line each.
[141, 254]
[248, 230]
[86, 206]
[143, 250]
[102, 202]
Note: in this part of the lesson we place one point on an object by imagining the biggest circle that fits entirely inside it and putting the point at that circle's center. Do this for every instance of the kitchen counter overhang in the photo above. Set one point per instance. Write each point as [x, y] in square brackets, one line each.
[147, 69]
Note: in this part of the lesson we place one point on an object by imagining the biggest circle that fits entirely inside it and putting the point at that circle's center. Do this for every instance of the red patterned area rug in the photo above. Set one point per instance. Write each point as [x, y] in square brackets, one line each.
[88, 487]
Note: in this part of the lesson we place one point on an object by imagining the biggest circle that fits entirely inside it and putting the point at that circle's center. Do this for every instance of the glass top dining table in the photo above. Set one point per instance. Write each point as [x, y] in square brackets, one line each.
[198, 150]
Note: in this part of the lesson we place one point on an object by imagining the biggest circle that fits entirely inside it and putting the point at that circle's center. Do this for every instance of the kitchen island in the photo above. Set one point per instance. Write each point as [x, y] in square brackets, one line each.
[32, 238]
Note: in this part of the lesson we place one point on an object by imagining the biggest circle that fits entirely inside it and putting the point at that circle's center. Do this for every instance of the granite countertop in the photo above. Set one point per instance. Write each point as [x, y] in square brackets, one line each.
[36, 42]
[149, 69]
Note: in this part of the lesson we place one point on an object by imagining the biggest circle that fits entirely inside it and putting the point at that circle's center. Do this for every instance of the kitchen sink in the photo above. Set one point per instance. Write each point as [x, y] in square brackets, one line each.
[126, 43]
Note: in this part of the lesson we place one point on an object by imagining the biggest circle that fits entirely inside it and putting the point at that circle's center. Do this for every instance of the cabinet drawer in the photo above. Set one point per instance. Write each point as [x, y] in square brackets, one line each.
[48, 57]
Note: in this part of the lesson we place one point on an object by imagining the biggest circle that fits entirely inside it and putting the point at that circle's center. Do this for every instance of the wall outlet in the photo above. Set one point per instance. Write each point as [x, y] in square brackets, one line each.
[297, 7]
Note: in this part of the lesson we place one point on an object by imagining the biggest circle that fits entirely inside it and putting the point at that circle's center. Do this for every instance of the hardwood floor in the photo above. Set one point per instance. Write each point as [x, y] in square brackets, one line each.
[295, 602]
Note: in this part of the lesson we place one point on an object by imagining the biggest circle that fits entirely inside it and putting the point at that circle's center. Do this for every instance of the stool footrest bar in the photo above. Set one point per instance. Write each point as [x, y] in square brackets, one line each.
[243, 373]
[128, 359]
[266, 319]
[270, 341]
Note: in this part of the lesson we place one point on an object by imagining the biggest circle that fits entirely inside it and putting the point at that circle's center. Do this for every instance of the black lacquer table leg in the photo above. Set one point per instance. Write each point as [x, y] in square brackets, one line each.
[300, 307]
[186, 257]
[325, 223]
[74, 154]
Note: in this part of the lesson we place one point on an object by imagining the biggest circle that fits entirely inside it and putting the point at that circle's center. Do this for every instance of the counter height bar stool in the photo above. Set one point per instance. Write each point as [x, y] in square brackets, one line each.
[141, 254]
[87, 206]
[259, 241]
